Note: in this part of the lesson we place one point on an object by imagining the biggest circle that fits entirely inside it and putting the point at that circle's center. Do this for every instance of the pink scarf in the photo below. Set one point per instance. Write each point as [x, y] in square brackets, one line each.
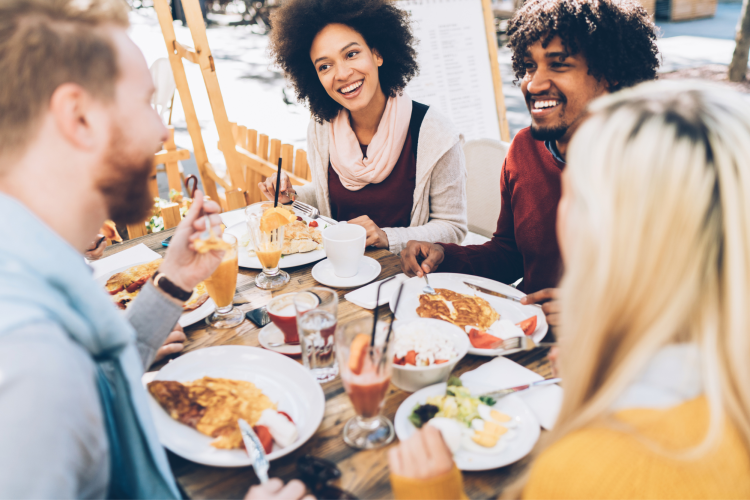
[383, 151]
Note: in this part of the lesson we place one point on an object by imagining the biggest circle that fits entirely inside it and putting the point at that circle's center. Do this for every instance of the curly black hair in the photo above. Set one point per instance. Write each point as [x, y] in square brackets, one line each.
[618, 38]
[384, 27]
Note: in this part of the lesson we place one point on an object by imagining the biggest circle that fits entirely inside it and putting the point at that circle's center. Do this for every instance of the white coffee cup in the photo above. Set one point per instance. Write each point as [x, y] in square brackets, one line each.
[344, 245]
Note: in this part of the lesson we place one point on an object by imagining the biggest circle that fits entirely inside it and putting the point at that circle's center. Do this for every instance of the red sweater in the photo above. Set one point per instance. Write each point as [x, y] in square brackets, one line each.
[525, 242]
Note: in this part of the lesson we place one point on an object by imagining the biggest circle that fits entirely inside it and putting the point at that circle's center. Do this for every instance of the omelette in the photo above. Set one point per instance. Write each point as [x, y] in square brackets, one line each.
[300, 238]
[126, 285]
[459, 309]
[212, 406]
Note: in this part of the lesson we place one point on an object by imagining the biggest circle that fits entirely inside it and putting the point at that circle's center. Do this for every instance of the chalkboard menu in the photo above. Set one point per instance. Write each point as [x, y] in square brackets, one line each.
[459, 73]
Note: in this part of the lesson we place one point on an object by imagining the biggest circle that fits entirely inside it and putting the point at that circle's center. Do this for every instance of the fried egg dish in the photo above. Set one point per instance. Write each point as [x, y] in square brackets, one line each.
[457, 308]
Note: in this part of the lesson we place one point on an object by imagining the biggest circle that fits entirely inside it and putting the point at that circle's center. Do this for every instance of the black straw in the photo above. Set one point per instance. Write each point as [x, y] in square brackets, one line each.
[390, 327]
[377, 305]
[278, 185]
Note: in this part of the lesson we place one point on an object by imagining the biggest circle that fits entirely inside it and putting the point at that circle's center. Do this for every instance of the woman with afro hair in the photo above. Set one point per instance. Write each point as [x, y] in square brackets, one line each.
[378, 159]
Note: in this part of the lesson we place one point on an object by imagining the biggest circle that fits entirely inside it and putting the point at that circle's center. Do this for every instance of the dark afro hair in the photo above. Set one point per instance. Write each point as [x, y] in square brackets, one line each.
[617, 37]
[384, 27]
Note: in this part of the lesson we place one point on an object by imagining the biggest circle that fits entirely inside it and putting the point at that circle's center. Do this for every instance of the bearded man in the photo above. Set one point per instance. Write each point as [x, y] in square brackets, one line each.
[566, 53]
[77, 139]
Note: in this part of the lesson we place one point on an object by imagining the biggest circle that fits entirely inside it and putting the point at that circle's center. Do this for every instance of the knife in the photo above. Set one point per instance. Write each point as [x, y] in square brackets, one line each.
[504, 392]
[496, 294]
[254, 450]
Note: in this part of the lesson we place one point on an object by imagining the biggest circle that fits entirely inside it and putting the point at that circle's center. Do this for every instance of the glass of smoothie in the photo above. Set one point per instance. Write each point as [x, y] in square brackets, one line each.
[268, 245]
[366, 374]
[221, 287]
[317, 316]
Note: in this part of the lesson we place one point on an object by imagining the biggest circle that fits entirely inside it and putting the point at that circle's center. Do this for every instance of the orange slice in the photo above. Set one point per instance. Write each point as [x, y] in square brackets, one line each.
[357, 353]
[274, 218]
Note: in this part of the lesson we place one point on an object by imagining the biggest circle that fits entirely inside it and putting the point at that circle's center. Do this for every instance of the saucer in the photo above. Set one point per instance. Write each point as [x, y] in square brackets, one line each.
[271, 334]
[369, 269]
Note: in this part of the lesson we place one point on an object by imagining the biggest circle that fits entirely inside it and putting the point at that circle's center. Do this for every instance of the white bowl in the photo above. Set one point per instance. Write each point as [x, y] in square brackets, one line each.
[412, 378]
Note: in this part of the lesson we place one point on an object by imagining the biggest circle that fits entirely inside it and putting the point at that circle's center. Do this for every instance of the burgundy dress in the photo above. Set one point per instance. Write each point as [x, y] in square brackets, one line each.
[388, 204]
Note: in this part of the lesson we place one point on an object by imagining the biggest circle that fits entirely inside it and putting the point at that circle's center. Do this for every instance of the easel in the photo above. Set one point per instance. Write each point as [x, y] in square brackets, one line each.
[245, 151]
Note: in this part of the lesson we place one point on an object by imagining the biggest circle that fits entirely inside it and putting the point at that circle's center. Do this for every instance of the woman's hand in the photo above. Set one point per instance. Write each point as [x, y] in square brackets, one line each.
[182, 265]
[268, 188]
[432, 253]
[550, 304]
[423, 456]
[173, 344]
[376, 237]
[274, 489]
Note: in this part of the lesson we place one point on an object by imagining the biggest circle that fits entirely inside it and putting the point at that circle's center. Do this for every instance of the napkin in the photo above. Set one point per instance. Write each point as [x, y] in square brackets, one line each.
[130, 257]
[234, 217]
[502, 373]
[365, 296]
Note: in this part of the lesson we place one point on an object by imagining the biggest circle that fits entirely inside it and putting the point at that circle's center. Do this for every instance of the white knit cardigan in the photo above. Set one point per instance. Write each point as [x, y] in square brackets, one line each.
[438, 213]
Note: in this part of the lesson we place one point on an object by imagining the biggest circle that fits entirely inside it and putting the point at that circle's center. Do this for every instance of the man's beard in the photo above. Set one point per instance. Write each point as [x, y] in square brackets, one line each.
[125, 182]
[548, 133]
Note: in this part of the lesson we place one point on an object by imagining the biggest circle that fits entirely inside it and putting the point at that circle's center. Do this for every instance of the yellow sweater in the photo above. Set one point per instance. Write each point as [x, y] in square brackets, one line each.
[608, 463]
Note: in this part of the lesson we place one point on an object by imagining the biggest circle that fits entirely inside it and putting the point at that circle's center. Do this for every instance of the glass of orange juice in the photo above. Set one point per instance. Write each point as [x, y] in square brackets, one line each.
[221, 287]
[268, 246]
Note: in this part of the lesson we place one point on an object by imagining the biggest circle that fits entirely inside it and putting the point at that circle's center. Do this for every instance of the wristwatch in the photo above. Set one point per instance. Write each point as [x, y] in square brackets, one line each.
[162, 283]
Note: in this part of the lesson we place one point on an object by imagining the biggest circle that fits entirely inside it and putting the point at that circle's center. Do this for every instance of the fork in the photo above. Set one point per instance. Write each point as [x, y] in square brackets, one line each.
[428, 288]
[524, 344]
[311, 212]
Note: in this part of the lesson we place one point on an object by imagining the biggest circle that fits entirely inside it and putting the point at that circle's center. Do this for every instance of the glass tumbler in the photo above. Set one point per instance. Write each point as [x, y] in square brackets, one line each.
[221, 287]
[268, 247]
[317, 316]
[366, 369]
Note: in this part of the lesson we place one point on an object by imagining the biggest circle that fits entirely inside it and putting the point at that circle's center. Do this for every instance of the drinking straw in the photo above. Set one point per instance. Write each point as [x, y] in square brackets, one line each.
[377, 305]
[395, 309]
[278, 185]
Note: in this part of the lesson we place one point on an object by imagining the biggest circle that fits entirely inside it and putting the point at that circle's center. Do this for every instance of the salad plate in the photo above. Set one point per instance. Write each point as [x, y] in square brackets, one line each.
[508, 310]
[522, 430]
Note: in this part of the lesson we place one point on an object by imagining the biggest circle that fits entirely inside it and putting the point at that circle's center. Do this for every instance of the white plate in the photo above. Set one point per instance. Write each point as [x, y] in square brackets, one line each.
[271, 334]
[517, 445]
[296, 259]
[187, 318]
[508, 309]
[283, 380]
[368, 270]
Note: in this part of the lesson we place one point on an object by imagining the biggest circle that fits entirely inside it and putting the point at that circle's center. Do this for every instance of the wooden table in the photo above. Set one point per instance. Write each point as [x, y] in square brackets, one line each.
[364, 473]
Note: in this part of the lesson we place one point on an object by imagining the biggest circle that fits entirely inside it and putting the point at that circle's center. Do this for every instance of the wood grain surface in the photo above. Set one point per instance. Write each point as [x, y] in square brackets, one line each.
[364, 473]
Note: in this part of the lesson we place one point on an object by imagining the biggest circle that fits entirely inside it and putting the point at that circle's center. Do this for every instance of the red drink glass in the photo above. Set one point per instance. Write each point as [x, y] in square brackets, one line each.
[282, 312]
[366, 374]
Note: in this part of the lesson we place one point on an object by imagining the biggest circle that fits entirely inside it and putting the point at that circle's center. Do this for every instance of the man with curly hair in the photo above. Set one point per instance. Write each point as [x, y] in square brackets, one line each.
[565, 53]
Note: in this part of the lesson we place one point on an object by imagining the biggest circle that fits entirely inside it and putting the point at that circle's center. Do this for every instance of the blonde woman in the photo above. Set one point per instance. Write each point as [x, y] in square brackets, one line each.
[654, 226]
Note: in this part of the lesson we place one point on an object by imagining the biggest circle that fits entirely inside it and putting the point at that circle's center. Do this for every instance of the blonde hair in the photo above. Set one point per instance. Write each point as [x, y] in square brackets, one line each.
[660, 181]
[44, 44]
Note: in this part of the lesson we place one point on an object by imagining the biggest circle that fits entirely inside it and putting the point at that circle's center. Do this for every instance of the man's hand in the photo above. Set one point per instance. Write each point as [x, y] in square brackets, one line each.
[182, 265]
[432, 253]
[423, 456]
[376, 237]
[268, 188]
[274, 489]
[173, 344]
[550, 304]
[97, 248]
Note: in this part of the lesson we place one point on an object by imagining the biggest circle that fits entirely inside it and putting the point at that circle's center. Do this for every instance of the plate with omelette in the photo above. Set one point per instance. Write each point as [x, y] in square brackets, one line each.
[486, 319]
[303, 241]
[196, 399]
[124, 285]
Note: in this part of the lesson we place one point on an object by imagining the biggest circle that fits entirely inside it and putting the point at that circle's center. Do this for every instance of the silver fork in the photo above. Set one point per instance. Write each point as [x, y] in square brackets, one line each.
[524, 344]
[428, 288]
[311, 212]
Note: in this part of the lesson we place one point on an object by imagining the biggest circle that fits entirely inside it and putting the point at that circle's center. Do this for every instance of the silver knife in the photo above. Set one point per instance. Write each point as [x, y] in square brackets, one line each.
[254, 450]
[504, 392]
[495, 293]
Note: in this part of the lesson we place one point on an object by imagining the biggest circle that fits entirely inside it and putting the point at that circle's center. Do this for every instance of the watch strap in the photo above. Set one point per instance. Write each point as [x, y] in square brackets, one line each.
[162, 283]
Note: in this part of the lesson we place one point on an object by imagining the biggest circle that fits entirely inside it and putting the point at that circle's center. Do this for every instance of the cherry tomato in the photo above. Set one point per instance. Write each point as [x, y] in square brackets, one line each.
[286, 415]
[528, 325]
[313, 223]
[264, 435]
[300, 218]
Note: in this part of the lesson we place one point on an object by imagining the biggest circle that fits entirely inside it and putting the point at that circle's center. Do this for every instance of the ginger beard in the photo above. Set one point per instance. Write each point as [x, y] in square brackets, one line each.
[125, 180]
